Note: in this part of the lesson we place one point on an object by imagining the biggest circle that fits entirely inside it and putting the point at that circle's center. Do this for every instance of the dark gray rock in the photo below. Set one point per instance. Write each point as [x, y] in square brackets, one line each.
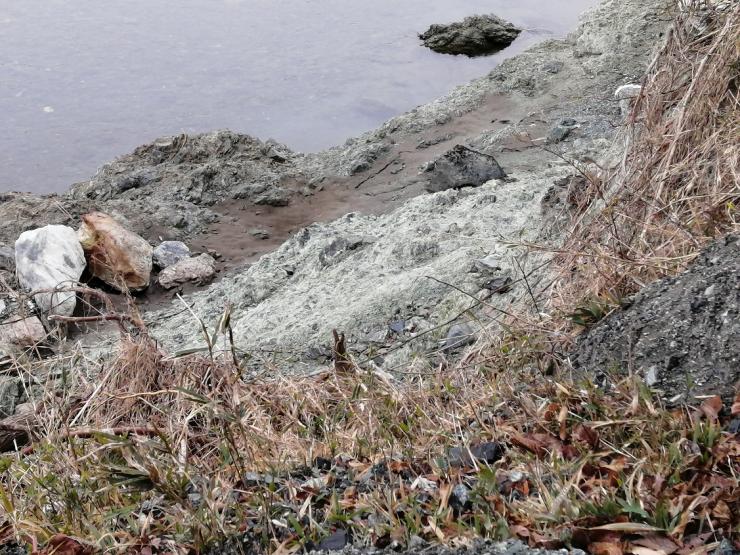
[460, 498]
[488, 453]
[682, 333]
[474, 36]
[459, 336]
[461, 167]
[559, 133]
[169, 253]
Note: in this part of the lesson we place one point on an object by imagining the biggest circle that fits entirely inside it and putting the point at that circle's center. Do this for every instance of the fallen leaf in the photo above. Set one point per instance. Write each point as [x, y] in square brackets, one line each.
[539, 444]
[605, 548]
[735, 410]
[631, 527]
[656, 542]
[711, 407]
[60, 544]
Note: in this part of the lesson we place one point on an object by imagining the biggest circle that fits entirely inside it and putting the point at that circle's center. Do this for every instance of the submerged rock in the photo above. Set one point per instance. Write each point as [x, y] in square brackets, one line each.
[47, 258]
[200, 269]
[117, 256]
[473, 36]
[681, 334]
[461, 167]
[169, 253]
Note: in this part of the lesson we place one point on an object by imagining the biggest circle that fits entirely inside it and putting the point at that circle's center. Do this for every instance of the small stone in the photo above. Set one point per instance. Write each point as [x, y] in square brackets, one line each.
[626, 94]
[115, 255]
[553, 67]
[397, 326]
[459, 336]
[499, 285]
[22, 332]
[49, 258]
[460, 498]
[568, 122]
[488, 453]
[359, 166]
[169, 253]
[199, 269]
[558, 134]
[652, 376]
[491, 263]
[337, 541]
[259, 234]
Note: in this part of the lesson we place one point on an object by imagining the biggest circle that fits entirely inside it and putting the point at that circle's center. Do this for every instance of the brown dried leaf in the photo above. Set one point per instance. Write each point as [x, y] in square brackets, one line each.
[539, 444]
[711, 407]
[605, 548]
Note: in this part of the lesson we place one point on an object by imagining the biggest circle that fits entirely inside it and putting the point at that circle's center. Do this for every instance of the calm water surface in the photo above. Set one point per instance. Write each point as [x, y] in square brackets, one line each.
[84, 81]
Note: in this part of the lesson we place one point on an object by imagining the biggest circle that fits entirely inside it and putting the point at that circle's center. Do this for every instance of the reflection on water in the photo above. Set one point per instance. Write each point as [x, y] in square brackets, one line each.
[84, 81]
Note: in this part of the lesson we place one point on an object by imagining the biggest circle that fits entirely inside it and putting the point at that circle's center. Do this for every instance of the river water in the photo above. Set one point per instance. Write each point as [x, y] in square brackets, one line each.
[84, 81]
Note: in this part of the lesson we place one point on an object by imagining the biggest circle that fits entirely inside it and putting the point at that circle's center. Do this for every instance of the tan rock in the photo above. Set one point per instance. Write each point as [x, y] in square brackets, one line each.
[22, 332]
[119, 257]
[200, 269]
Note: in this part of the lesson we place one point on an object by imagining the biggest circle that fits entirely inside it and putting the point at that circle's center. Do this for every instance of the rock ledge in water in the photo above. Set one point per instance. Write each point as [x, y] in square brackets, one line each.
[477, 35]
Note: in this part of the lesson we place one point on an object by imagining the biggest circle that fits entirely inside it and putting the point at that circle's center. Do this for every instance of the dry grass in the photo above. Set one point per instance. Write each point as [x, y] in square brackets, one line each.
[679, 183]
[155, 454]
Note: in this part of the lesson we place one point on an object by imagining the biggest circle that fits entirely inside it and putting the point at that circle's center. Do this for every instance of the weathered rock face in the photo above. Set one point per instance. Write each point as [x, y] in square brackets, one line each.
[117, 256]
[169, 253]
[199, 269]
[461, 167]
[474, 36]
[47, 258]
[681, 334]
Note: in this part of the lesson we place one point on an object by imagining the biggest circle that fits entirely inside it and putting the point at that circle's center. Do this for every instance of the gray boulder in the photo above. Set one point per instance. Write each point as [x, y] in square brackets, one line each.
[169, 253]
[461, 167]
[681, 334]
[474, 36]
[47, 258]
[199, 269]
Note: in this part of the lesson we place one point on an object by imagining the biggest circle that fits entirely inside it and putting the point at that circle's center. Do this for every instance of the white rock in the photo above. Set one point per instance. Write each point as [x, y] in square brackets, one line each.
[200, 269]
[47, 258]
[626, 94]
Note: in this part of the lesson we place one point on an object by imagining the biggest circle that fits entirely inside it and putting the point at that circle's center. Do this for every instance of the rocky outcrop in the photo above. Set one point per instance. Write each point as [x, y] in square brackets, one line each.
[682, 334]
[199, 269]
[117, 256]
[473, 36]
[461, 167]
[48, 258]
[170, 253]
